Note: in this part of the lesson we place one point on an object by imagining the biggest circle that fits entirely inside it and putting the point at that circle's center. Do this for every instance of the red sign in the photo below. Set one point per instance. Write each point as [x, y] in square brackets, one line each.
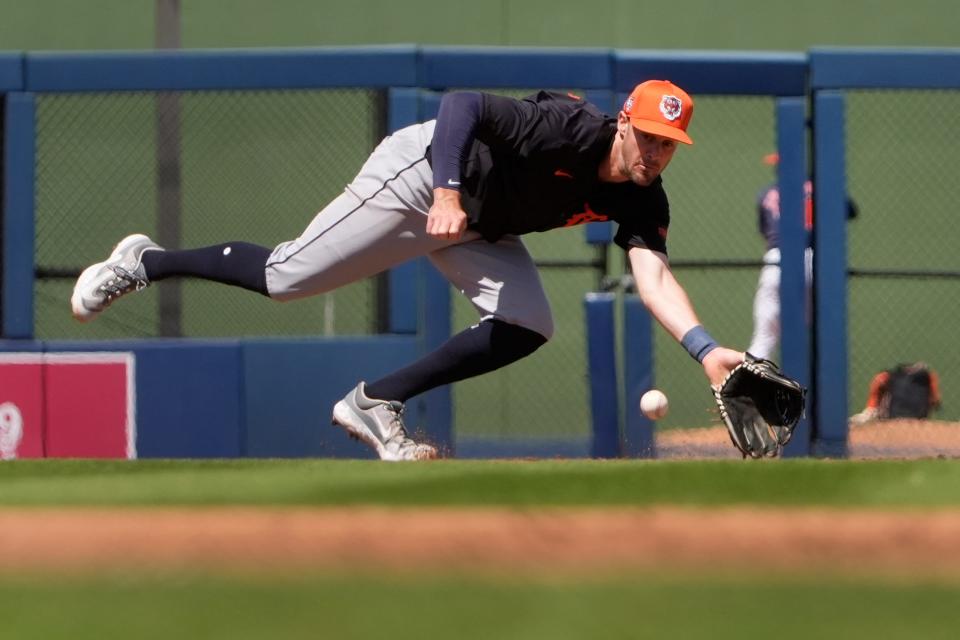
[67, 405]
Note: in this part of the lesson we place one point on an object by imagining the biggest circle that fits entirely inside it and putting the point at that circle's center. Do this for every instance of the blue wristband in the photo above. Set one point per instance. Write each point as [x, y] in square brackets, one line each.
[698, 343]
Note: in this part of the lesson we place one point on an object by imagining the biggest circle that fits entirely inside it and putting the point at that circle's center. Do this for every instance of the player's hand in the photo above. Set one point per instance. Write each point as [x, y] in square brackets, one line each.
[719, 363]
[446, 220]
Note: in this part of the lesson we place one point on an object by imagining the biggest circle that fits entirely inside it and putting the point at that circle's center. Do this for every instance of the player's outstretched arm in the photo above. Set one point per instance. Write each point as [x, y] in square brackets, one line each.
[457, 121]
[661, 293]
[670, 305]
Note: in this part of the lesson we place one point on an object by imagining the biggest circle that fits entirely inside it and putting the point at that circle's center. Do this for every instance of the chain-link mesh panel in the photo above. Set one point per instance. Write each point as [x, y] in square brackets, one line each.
[713, 185]
[901, 168]
[252, 166]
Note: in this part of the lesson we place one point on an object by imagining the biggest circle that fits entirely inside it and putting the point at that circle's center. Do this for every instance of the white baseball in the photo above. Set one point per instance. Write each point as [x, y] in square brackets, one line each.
[654, 404]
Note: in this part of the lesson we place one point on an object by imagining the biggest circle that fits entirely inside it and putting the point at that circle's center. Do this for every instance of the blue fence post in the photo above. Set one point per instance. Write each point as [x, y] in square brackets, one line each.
[436, 322]
[795, 307]
[600, 233]
[18, 216]
[602, 368]
[830, 276]
[638, 377]
[403, 110]
[419, 294]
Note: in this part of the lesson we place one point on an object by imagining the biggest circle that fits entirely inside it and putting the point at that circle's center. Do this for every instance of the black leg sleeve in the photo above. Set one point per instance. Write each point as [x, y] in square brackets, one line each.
[240, 264]
[481, 348]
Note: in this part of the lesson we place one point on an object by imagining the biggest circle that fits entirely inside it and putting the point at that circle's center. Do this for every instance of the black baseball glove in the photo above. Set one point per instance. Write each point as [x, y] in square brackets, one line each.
[760, 407]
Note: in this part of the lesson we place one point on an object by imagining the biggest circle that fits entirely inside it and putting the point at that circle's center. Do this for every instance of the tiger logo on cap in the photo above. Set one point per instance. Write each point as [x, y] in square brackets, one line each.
[671, 107]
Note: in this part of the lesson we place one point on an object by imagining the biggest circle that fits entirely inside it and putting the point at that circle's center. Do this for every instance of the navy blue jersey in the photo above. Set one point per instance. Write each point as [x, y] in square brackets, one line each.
[768, 213]
[533, 166]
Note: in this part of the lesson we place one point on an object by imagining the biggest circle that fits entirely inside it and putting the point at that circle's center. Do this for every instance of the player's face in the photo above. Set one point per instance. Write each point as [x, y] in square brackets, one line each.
[644, 156]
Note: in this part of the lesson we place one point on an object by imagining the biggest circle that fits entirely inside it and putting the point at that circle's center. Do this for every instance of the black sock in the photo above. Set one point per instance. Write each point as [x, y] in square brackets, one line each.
[236, 263]
[479, 349]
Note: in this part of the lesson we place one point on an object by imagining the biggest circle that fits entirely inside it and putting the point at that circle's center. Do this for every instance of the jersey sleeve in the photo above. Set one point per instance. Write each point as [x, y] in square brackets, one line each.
[646, 226]
[505, 123]
[498, 122]
[454, 132]
[654, 239]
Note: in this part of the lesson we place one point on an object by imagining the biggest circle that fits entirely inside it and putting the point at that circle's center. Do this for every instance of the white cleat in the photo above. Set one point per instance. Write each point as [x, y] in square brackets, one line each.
[102, 283]
[379, 425]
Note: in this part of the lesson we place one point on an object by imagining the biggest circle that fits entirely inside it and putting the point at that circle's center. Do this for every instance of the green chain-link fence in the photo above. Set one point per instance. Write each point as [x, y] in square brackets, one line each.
[905, 272]
[253, 166]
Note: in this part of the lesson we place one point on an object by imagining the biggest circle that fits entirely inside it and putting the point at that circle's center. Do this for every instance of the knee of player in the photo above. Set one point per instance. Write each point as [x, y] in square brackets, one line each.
[546, 331]
[279, 289]
[543, 328]
[511, 341]
[540, 329]
[284, 285]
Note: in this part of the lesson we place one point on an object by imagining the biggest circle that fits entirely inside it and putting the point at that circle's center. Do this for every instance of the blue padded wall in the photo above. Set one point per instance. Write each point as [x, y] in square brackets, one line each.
[292, 385]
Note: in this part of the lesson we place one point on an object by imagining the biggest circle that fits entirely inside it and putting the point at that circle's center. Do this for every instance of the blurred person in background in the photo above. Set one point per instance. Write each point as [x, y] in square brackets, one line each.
[766, 300]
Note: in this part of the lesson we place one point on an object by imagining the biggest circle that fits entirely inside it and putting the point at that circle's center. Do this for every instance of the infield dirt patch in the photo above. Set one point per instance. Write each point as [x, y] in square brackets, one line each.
[486, 540]
[875, 440]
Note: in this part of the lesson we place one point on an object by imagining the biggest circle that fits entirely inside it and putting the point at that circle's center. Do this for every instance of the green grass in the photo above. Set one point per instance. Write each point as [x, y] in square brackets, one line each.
[332, 607]
[310, 604]
[520, 484]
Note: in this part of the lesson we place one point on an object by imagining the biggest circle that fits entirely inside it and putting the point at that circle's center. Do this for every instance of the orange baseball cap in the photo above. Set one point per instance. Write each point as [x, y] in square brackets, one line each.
[661, 108]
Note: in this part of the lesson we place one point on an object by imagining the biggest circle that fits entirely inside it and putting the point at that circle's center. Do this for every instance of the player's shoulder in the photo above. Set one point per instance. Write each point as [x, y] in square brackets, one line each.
[545, 95]
[564, 101]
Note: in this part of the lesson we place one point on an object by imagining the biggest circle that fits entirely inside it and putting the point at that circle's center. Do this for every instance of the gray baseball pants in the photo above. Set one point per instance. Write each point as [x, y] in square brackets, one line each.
[379, 221]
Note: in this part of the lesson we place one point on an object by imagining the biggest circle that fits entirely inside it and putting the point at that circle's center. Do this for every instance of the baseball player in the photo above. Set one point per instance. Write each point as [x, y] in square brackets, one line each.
[766, 300]
[461, 190]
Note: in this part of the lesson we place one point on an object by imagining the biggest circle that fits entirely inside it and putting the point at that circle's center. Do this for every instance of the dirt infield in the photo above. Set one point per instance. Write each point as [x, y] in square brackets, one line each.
[502, 540]
[487, 540]
[874, 440]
